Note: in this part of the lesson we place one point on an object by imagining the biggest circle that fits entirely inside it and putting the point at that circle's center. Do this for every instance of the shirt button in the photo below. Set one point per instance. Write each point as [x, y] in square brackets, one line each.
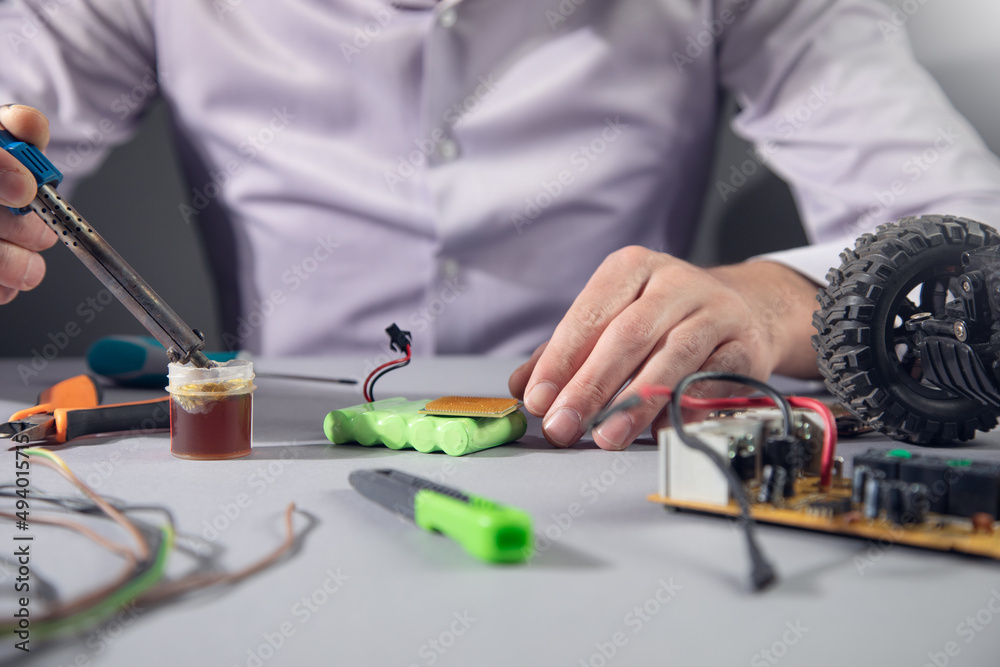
[447, 150]
[448, 18]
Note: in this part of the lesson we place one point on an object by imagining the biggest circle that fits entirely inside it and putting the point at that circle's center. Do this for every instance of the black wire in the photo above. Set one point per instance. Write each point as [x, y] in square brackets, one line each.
[762, 573]
[629, 402]
[83, 505]
[720, 376]
[371, 385]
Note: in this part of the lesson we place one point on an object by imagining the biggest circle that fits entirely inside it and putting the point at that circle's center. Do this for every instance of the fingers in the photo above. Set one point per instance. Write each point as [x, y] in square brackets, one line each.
[682, 352]
[733, 357]
[17, 185]
[519, 378]
[655, 319]
[21, 237]
[618, 281]
[27, 231]
[20, 269]
[628, 344]
[26, 123]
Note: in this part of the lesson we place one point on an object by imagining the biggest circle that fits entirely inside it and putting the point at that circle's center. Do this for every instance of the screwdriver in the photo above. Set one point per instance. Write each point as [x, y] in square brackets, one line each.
[183, 344]
[140, 361]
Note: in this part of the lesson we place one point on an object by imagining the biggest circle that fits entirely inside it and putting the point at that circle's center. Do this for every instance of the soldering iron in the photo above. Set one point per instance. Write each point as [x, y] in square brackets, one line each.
[183, 344]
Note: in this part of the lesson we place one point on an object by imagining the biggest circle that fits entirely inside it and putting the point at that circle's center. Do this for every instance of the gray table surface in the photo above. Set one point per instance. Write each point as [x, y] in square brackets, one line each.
[617, 581]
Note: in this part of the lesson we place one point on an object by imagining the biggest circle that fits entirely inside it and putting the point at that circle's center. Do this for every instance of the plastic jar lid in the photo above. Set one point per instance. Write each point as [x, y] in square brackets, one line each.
[225, 379]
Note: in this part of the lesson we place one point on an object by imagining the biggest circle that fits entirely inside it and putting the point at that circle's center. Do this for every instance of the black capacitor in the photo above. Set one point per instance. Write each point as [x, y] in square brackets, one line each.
[744, 463]
[933, 472]
[974, 488]
[892, 492]
[783, 486]
[872, 499]
[788, 454]
[916, 501]
[858, 478]
[887, 460]
[766, 484]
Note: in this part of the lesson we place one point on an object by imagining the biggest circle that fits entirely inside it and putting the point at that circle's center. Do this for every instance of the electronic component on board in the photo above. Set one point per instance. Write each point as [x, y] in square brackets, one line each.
[895, 495]
[829, 507]
[974, 487]
[471, 406]
[886, 461]
[872, 502]
[858, 479]
[933, 473]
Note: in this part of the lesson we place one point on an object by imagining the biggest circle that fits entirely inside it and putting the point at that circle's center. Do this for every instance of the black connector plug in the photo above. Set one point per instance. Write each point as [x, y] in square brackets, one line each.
[399, 339]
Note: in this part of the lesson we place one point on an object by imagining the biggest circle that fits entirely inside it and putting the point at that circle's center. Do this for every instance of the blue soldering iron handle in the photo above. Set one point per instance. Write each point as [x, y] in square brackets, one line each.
[44, 171]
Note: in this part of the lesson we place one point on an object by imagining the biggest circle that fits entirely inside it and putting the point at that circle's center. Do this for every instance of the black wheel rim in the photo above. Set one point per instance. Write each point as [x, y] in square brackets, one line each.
[902, 360]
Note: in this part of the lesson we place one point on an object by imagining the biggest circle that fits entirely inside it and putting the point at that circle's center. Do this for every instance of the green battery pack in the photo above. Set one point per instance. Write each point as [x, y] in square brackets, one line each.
[398, 424]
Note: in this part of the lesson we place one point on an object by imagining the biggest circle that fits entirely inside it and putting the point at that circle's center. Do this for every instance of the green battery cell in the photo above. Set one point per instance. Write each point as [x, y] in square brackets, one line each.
[397, 424]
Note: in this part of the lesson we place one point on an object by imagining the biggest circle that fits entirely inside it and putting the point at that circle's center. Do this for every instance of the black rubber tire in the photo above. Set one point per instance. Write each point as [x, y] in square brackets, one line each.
[857, 339]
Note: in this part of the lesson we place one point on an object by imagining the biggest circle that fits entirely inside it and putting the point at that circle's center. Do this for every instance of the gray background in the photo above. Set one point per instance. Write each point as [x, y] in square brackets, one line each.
[134, 200]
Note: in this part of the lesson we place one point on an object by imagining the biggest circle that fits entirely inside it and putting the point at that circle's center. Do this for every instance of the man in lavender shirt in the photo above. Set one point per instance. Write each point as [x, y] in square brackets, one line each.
[494, 174]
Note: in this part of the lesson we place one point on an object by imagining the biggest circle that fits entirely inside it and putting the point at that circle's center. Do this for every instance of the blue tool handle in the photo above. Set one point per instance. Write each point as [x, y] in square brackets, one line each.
[136, 361]
[44, 171]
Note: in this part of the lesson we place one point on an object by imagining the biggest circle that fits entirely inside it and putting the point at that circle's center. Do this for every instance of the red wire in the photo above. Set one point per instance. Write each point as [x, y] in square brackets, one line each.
[829, 423]
[829, 435]
[364, 387]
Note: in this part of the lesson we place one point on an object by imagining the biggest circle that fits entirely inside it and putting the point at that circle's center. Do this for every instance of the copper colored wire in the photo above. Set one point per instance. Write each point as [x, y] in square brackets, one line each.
[107, 508]
[85, 601]
[191, 582]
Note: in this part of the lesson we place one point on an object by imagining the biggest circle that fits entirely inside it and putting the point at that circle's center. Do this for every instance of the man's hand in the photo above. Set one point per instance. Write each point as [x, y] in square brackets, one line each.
[655, 318]
[21, 237]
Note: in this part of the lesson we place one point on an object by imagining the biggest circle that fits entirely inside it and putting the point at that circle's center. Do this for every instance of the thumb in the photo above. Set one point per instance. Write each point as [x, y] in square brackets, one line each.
[17, 185]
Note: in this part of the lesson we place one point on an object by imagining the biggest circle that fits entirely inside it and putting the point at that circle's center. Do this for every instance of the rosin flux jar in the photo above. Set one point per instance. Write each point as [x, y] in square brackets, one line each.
[211, 410]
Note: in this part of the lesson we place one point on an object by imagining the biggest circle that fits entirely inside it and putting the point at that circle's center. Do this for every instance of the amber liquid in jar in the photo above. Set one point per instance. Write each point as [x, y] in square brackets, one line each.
[220, 430]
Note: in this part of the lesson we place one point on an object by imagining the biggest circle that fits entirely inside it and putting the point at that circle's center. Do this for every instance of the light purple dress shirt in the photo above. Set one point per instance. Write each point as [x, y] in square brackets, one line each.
[462, 167]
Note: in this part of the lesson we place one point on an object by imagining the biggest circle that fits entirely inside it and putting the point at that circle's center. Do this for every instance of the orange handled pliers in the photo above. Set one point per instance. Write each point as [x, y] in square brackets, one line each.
[72, 408]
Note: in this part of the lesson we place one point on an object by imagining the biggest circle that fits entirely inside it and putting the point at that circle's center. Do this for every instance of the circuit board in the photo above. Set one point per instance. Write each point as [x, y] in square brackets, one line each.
[811, 509]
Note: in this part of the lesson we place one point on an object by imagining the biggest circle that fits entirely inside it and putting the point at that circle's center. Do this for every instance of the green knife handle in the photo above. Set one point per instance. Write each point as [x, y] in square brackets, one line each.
[490, 532]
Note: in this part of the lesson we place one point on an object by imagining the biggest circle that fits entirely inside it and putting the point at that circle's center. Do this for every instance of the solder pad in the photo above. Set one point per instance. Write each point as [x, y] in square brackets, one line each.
[471, 406]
